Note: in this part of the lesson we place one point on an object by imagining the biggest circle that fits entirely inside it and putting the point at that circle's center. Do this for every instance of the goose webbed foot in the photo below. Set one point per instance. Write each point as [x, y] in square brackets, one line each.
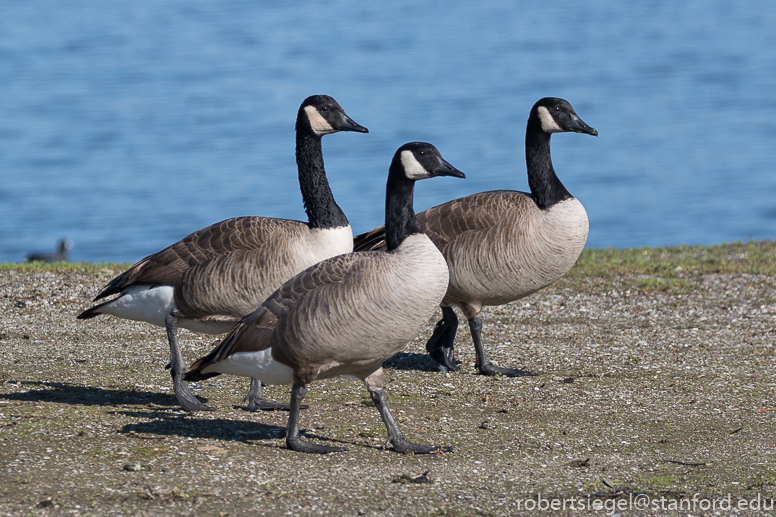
[265, 405]
[299, 445]
[490, 370]
[404, 446]
[483, 364]
[440, 344]
[395, 436]
[293, 441]
[186, 400]
[445, 356]
[256, 402]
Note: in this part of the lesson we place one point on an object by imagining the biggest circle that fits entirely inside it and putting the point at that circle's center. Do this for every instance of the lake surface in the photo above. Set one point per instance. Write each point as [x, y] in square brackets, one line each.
[126, 125]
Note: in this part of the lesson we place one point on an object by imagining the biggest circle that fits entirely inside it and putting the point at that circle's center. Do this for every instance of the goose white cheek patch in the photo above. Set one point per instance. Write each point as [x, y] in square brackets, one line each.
[412, 167]
[548, 123]
[317, 122]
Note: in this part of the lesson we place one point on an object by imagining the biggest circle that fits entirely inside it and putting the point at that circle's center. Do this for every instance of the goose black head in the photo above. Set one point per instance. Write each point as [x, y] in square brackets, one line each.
[322, 115]
[557, 116]
[419, 160]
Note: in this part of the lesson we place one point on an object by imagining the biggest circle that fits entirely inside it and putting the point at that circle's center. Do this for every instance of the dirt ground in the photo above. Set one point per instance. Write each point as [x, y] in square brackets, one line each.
[662, 398]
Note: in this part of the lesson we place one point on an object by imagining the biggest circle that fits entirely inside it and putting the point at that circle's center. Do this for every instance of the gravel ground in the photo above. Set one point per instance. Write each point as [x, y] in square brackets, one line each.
[644, 397]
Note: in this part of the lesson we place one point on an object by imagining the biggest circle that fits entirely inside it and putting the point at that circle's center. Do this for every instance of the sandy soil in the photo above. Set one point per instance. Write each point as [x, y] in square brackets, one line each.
[644, 397]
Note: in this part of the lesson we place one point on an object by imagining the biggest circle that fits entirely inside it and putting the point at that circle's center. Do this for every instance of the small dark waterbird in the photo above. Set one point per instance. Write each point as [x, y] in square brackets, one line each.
[61, 255]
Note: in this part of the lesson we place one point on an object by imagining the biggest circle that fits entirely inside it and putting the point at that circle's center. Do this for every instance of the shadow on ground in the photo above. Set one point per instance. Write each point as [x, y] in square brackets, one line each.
[164, 424]
[76, 394]
[419, 362]
[215, 429]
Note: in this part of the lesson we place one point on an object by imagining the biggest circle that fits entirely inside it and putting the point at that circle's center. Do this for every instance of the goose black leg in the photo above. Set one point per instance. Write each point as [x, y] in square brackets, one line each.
[293, 441]
[440, 344]
[483, 364]
[395, 435]
[187, 401]
[256, 401]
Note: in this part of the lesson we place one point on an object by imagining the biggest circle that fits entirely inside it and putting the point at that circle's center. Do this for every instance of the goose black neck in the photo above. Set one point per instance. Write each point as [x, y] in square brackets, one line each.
[545, 186]
[322, 210]
[400, 220]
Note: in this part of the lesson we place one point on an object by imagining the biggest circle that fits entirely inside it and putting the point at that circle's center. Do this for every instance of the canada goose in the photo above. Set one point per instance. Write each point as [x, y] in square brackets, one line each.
[217, 275]
[347, 314]
[65, 245]
[503, 245]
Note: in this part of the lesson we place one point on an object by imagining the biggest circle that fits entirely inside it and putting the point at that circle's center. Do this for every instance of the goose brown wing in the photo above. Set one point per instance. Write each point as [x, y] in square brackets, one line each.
[469, 219]
[255, 332]
[166, 267]
[462, 218]
[370, 241]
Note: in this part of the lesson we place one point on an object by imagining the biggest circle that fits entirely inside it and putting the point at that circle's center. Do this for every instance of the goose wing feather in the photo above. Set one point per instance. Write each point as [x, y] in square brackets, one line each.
[309, 291]
[447, 223]
[218, 240]
[463, 219]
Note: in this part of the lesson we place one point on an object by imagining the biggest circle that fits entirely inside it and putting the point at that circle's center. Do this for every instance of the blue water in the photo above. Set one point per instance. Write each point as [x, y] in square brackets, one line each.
[126, 125]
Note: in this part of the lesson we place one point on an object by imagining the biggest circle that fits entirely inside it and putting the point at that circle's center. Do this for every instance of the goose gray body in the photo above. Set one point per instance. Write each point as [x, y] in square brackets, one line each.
[235, 283]
[503, 245]
[486, 265]
[221, 273]
[215, 276]
[331, 316]
[346, 315]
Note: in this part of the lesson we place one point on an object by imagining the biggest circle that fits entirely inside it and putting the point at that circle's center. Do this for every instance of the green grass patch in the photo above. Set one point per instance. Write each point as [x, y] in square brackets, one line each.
[145, 452]
[755, 257]
[369, 432]
[63, 267]
[676, 269]
[764, 480]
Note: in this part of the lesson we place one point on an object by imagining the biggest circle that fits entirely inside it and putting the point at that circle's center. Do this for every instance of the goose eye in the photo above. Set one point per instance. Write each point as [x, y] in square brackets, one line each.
[324, 108]
[422, 153]
[556, 108]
